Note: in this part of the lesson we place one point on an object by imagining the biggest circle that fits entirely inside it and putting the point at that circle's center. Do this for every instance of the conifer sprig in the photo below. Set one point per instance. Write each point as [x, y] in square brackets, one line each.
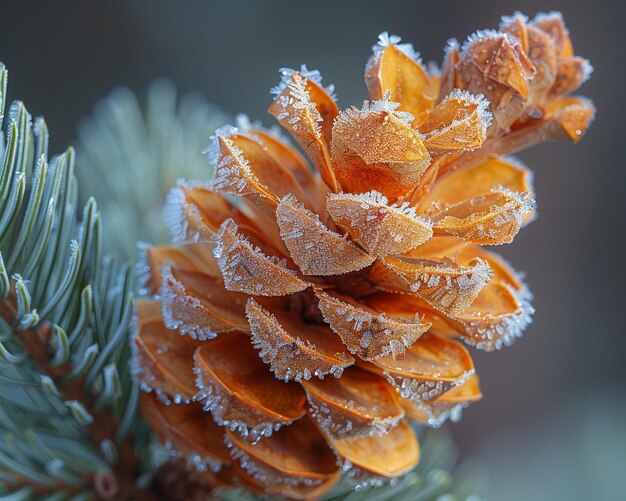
[131, 155]
[69, 405]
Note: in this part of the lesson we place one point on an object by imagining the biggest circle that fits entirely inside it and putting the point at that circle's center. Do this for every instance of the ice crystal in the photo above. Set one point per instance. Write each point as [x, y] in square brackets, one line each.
[442, 283]
[246, 268]
[381, 228]
[357, 404]
[219, 403]
[182, 311]
[313, 247]
[367, 334]
[376, 147]
[384, 105]
[490, 332]
[183, 219]
[232, 169]
[490, 219]
[289, 356]
[459, 122]
[313, 75]
[337, 427]
[385, 39]
[421, 390]
[229, 382]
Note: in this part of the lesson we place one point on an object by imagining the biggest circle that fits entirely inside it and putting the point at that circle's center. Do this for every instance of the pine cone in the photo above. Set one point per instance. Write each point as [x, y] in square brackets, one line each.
[322, 309]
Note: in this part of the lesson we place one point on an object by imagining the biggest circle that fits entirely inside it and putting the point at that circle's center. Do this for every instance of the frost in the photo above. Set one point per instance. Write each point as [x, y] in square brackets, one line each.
[251, 174]
[452, 44]
[196, 461]
[286, 78]
[397, 348]
[448, 406]
[212, 151]
[587, 70]
[510, 19]
[299, 110]
[271, 462]
[499, 314]
[313, 247]
[240, 393]
[361, 479]
[553, 17]
[289, 356]
[184, 312]
[553, 25]
[161, 362]
[437, 415]
[458, 122]
[422, 390]
[232, 169]
[340, 427]
[495, 63]
[186, 435]
[495, 331]
[368, 334]
[376, 147]
[252, 425]
[382, 229]
[328, 422]
[368, 458]
[445, 285]
[183, 219]
[252, 163]
[257, 470]
[148, 381]
[573, 119]
[396, 68]
[490, 219]
[384, 105]
[482, 35]
[385, 39]
[307, 111]
[174, 216]
[357, 404]
[432, 367]
[264, 474]
[247, 269]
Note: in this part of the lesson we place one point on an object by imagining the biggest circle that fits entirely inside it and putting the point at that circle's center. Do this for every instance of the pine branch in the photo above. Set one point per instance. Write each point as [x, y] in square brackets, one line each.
[148, 148]
[69, 402]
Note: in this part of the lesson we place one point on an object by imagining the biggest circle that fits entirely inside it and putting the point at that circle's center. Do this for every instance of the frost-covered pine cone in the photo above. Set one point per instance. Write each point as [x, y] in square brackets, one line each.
[322, 309]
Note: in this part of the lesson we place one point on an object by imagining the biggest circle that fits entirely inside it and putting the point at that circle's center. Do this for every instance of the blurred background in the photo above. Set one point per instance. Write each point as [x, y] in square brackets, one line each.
[551, 424]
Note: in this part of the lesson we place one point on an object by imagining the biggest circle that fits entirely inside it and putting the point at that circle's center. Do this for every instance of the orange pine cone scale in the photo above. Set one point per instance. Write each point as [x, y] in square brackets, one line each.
[303, 316]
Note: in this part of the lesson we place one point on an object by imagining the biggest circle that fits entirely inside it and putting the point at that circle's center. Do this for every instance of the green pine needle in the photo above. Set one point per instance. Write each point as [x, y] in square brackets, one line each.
[130, 158]
[54, 283]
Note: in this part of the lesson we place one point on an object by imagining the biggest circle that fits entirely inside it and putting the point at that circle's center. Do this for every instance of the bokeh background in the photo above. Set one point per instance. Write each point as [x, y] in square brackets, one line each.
[552, 423]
